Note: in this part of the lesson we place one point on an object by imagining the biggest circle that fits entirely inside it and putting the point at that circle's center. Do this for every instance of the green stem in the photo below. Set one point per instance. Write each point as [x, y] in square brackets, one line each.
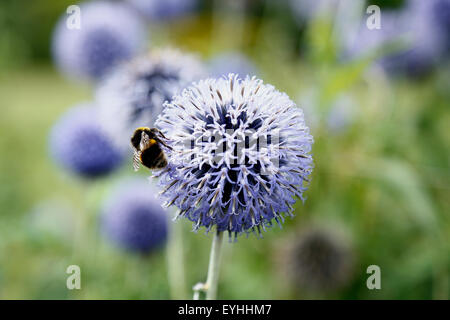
[213, 269]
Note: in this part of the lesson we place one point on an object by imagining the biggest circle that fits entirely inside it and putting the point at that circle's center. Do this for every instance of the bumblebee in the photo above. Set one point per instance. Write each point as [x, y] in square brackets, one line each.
[146, 143]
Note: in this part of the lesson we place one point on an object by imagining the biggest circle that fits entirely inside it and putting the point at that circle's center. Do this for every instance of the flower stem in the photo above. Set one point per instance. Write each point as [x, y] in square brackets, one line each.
[210, 287]
[213, 269]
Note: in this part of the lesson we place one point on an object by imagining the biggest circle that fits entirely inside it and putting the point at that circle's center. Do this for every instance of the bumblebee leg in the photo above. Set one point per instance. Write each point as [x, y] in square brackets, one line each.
[165, 144]
[162, 134]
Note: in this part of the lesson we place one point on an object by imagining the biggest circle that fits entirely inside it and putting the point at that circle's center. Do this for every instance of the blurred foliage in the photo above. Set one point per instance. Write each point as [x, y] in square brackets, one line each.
[385, 177]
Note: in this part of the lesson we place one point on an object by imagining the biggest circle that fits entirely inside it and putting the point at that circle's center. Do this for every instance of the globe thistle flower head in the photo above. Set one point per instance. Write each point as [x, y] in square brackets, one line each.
[133, 95]
[241, 153]
[133, 218]
[319, 260]
[79, 145]
[231, 62]
[164, 10]
[109, 32]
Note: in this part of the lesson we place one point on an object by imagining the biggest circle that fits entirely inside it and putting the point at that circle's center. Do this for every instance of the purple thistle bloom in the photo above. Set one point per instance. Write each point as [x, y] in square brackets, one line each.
[231, 62]
[109, 33]
[78, 144]
[133, 95]
[133, 218]
[240, 154]
[163, 9]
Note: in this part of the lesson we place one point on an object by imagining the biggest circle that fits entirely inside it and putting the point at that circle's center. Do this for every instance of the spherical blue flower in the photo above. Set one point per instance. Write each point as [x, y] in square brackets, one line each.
[133, 95]
[133, 218]
[78, 144]
[109, 33]
[231, 62]
[166, 9]
[240, 154]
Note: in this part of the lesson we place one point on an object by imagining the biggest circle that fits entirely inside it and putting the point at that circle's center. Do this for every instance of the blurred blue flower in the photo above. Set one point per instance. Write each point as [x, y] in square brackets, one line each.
[164, 9]
[134, 93]
[415, 46]
[109, 33]
[133, 218]
[78, 144]
[240, 154]
[434, 17]
[231, 62]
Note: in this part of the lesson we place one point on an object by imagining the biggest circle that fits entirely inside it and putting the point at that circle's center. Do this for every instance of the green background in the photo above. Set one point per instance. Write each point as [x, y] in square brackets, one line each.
[384, 180]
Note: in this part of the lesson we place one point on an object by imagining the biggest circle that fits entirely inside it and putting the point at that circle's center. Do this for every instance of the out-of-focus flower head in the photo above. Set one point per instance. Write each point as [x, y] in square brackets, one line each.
[133, 218]
[133, 95]
[78, 143]
[433, 16]
[164, 9]
[231, 62]
[415, 47]
[319, 259]
[110, 32]
[241, 153]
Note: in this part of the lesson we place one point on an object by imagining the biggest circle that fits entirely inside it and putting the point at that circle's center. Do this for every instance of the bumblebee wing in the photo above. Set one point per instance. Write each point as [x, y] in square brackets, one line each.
[136, 160]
